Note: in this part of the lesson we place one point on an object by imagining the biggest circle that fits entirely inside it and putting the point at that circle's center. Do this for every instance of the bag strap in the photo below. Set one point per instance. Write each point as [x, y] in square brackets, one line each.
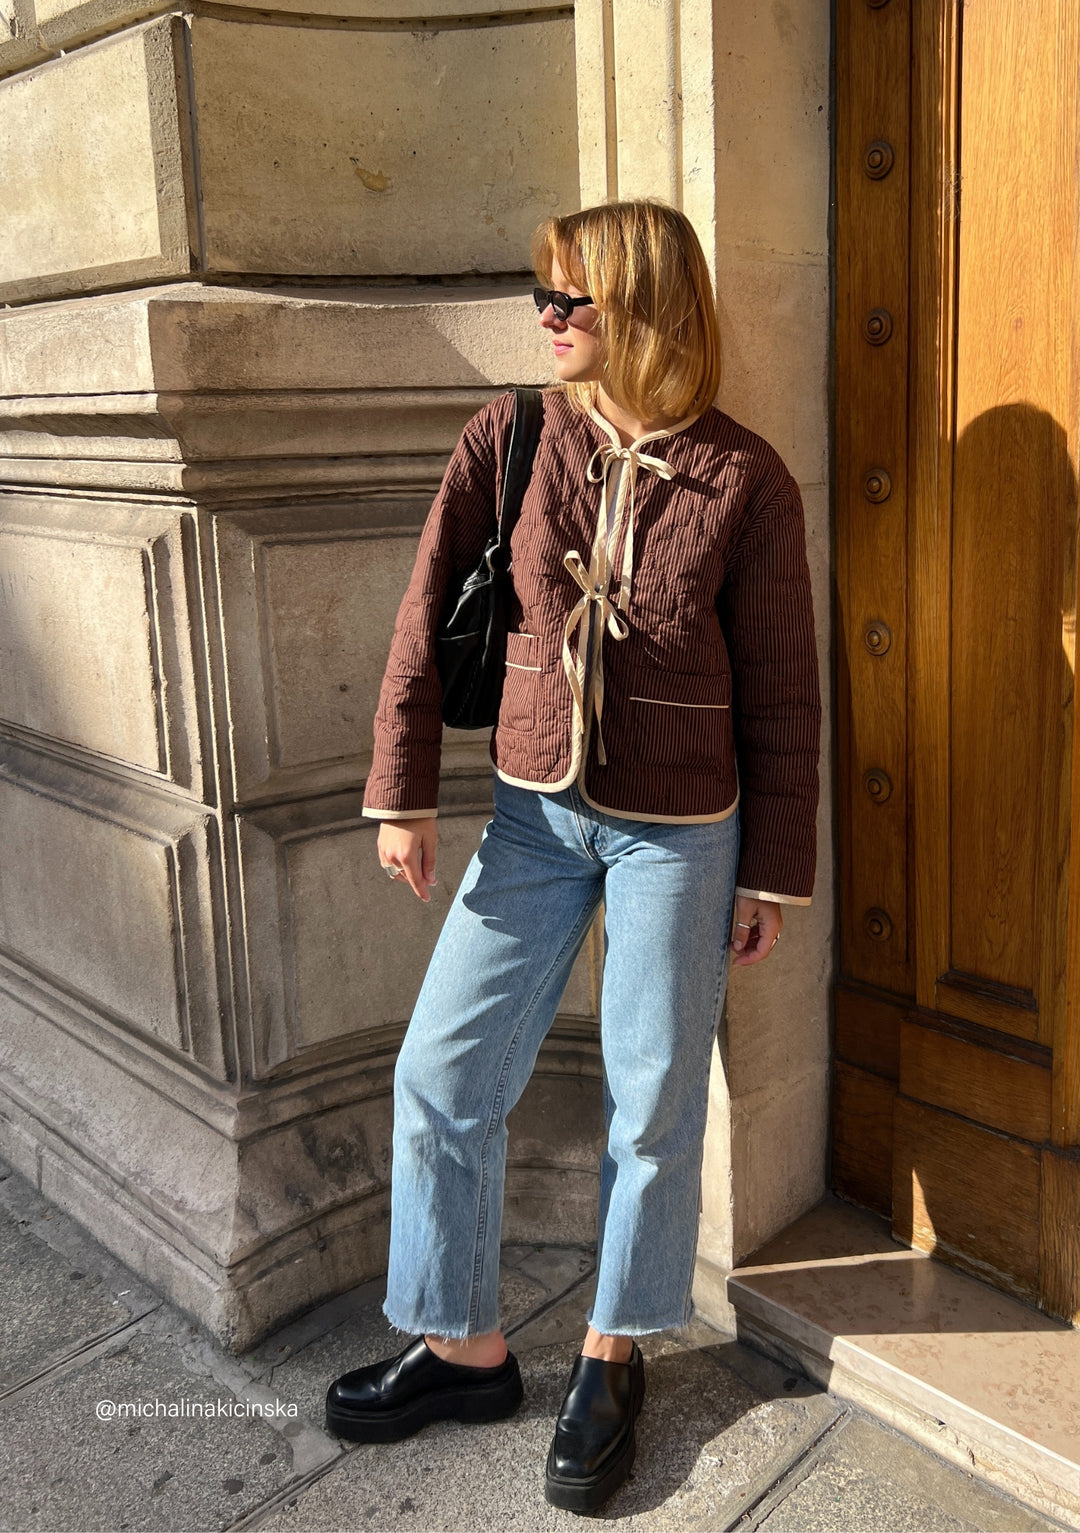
[524, 435]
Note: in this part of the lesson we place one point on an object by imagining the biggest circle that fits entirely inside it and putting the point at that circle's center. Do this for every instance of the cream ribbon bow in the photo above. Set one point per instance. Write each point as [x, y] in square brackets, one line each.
[595, 580]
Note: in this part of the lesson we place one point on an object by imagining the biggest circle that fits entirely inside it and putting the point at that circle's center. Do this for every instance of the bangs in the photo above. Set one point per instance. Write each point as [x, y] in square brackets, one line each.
[552, 242]
[644, 267]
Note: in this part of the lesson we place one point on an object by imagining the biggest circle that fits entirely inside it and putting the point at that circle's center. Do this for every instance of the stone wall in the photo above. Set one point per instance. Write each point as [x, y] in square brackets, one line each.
[257, 277]
[767, 1146]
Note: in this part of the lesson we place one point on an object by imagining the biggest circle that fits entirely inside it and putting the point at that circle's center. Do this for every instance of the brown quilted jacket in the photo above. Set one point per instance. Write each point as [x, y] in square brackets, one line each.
[661, 652]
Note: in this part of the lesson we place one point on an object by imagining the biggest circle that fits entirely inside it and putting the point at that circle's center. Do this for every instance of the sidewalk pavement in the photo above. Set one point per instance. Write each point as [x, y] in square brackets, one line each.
[727, 1439]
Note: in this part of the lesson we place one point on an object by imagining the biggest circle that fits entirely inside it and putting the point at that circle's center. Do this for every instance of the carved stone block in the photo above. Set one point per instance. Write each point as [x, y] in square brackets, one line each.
[309, 600]
[336, 951]
[324, 920]
[370, 151]
[95, 631]
[107, 894]
[91, 168]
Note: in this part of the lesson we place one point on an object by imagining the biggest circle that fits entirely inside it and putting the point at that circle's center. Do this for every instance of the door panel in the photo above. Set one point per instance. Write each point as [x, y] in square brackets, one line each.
[1010, 679]
[956, 399]
[862, 1147]
[967, 1194]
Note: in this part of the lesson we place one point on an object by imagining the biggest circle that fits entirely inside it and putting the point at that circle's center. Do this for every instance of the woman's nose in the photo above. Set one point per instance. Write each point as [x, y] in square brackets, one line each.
[550, 320]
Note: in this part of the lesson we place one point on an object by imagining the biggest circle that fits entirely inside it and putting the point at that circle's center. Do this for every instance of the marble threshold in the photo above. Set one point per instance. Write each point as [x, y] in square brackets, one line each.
[983, 1379]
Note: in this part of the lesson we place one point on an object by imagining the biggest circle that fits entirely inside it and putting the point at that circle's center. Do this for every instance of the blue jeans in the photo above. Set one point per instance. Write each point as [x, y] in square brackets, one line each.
[488, 999]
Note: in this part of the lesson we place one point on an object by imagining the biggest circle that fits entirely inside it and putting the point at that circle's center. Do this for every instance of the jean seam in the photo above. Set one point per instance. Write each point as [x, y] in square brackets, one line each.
[496, 1113]
[576, 805]
[721, 981]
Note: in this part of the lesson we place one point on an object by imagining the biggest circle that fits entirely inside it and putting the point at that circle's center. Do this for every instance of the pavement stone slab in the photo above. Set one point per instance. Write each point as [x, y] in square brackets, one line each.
[519, 1295]
[555, 1268]
[62, 1291]
[869, 1479]
[558, 1322]
[62, 1468]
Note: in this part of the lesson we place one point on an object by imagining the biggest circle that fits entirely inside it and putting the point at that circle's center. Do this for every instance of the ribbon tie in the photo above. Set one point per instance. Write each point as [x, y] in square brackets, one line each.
[595, 580]
[607, 455]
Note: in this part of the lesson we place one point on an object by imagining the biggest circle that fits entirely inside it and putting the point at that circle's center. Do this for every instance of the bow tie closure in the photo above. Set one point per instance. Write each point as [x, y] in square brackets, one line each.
[595, 580]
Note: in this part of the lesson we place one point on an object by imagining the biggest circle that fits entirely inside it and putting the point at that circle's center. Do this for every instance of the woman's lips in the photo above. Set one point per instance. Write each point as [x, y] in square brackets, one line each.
[561, 347]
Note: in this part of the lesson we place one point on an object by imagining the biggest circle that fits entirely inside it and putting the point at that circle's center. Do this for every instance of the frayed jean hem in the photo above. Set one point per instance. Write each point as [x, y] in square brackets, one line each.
[639, 1328]
[451, 1333]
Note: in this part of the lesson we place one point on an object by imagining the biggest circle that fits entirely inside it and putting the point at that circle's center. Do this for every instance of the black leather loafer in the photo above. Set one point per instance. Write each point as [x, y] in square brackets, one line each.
[387, 1401]
[594, 1444]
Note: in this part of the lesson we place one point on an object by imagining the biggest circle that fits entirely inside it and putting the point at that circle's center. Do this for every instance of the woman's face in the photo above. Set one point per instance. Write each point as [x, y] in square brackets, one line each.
[578, 353]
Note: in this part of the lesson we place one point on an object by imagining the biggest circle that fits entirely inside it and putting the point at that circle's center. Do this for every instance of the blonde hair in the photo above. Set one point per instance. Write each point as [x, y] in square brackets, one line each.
[643, 266]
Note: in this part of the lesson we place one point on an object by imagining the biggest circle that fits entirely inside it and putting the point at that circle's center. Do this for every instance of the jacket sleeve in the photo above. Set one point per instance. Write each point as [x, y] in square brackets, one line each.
[404, 777]
[767, 615]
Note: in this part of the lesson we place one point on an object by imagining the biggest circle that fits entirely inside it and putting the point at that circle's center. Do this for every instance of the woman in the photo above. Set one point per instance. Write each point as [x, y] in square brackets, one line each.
[661, 629]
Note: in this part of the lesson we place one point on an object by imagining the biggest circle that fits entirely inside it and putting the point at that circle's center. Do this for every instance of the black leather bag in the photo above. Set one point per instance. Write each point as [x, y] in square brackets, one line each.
[470, 642]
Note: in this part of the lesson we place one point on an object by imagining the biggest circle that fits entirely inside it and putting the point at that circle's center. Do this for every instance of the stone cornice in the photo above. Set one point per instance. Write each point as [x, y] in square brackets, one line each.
[195, 337]
[235, 442]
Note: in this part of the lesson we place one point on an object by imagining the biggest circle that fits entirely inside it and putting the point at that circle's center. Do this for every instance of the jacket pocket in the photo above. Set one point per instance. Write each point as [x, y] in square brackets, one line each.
[518, 709]
[680, 718]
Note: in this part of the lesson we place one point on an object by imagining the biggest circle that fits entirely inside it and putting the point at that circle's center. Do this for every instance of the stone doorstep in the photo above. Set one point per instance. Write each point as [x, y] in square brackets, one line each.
[981, 1379]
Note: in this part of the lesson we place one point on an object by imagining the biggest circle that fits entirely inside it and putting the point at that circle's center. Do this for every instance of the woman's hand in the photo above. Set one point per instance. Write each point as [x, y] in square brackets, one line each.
[410, 844]
[757, 926]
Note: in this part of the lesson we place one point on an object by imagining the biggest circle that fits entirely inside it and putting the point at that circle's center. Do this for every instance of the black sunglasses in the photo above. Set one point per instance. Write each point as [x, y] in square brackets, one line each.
[562, 303]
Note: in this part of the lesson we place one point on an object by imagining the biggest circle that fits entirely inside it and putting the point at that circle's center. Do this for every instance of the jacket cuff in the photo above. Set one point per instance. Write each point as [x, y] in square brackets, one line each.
[778, 899]
[400, 814]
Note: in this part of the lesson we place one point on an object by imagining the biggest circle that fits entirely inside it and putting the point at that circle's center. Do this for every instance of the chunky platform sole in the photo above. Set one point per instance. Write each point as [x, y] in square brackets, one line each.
[591, 1491]
[587, 1495]
[492, 1401]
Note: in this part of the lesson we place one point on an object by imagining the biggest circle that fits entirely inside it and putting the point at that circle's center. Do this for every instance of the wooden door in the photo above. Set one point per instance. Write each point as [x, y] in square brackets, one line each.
[956, 402]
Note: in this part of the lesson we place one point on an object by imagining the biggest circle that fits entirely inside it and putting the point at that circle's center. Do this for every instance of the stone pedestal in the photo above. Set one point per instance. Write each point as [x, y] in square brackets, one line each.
[205, 977]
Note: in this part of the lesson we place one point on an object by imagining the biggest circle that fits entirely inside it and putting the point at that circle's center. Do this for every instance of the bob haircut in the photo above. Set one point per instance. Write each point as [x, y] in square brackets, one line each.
[643, 266]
